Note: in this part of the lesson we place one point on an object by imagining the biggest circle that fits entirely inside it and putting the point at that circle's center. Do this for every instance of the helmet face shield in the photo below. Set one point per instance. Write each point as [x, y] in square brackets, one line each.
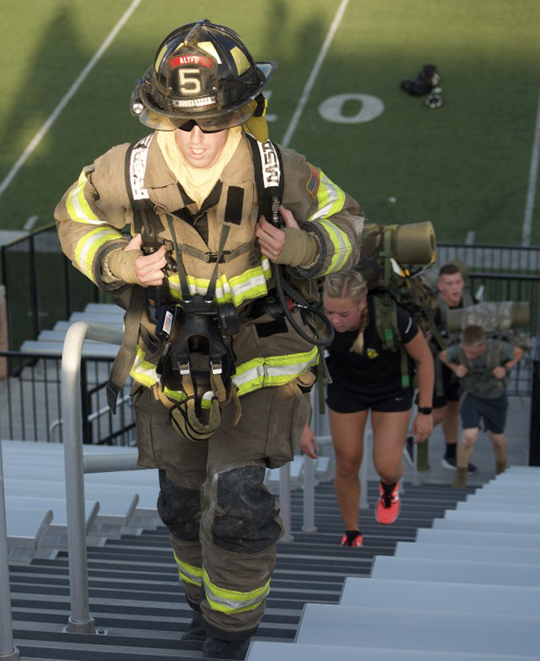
[202, 72]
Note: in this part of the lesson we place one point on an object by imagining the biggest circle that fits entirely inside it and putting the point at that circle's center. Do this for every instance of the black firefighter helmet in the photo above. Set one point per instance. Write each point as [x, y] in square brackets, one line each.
[202, 72]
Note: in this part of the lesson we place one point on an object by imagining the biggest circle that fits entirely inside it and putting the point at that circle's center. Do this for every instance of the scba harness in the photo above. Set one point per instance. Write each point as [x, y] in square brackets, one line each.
[198, 334]
[197, 357]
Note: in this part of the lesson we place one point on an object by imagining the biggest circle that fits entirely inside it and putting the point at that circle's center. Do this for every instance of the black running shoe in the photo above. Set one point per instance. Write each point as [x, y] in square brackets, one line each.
[451, 464]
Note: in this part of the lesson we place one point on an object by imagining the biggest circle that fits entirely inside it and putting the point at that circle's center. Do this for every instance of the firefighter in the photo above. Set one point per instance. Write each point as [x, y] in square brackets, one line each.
[221, 359]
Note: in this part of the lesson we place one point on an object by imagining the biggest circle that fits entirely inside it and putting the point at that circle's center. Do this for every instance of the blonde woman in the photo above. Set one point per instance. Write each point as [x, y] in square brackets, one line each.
[367, 378]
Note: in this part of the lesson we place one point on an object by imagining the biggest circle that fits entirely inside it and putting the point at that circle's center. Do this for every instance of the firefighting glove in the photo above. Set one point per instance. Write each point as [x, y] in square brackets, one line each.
[301, 248]
[121, 264]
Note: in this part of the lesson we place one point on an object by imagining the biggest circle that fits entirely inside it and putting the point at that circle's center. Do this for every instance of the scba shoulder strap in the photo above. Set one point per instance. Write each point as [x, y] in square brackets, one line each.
[144, 218]
[269, 180]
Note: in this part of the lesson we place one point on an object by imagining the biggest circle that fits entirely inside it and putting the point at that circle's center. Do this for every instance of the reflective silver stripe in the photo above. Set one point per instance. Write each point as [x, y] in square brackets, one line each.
[225, 601]
[88, 245]
[237, 289]
[261, 372]
[341, 243]
[331, 197]
[78, 208]
[189, 573]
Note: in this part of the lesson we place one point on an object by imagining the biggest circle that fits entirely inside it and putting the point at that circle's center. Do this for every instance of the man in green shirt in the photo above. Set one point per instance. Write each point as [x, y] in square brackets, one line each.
[483, 366]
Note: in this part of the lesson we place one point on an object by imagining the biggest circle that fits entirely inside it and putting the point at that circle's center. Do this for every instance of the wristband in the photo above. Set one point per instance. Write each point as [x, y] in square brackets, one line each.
[425, 410]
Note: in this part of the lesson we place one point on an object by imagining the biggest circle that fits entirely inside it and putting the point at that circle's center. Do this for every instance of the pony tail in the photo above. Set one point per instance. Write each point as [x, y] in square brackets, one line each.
[358, 344]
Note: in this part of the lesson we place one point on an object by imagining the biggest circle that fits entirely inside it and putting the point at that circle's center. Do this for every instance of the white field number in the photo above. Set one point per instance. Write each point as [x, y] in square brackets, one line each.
[369, 107]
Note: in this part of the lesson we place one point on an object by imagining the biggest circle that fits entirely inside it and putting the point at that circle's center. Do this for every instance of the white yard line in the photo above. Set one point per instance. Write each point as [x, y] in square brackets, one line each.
[533, 181]
[29, 225]
[84, 73]
[314, 73]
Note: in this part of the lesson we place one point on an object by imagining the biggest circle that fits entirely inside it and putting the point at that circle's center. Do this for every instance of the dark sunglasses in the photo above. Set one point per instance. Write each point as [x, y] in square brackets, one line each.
[188, 126]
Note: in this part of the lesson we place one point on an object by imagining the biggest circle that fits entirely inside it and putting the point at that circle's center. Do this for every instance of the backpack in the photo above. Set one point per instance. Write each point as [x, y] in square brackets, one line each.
[392, 261]
[499, 320]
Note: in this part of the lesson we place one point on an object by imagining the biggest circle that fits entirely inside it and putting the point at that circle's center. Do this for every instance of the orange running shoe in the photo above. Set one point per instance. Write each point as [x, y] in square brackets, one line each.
[387, 509]
[352, 538]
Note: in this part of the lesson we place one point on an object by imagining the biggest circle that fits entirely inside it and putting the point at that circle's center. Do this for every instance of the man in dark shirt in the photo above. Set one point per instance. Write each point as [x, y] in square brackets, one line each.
[452, 294]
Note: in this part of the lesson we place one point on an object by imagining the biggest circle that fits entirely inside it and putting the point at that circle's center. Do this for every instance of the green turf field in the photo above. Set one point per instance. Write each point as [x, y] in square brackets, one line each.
[465, 166]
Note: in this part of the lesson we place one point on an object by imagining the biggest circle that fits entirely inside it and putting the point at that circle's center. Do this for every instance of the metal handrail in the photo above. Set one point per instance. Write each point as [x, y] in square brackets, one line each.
[7, 647]
[80, 619]
[93, 416]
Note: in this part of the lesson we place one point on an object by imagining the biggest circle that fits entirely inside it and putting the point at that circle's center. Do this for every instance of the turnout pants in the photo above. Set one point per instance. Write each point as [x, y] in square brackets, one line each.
[224, 523]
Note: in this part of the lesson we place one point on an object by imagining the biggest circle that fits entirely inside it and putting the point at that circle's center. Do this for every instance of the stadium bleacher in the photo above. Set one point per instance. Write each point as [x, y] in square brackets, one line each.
[437, 598]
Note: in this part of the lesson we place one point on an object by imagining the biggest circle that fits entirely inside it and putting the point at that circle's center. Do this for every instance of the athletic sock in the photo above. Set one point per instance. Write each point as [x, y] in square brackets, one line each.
[450, 450]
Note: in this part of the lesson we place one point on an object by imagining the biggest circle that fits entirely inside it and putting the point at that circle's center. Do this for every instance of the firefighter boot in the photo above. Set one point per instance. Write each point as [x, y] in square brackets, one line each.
[216, 648]
[195, 630]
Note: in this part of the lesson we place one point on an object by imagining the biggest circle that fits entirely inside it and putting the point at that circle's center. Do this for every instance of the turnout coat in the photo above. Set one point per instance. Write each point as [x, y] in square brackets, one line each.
[94, 211]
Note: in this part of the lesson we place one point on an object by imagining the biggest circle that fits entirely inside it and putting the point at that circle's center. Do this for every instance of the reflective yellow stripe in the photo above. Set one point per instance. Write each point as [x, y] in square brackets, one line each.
[250, 284]
[189, 573]
[142, 371]
[89, 244]
[273, 370]
[330, 199]
[233, 601]
[251, 375]
[78, 208]
[145, 373]
[341, 243]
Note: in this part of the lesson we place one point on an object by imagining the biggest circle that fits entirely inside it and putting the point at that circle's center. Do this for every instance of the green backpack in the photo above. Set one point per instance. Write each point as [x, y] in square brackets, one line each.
[392, 260]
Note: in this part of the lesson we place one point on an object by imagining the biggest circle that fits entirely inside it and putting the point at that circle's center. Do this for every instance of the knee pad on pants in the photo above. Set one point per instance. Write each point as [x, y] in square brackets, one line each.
[247, 522]
[180, 510]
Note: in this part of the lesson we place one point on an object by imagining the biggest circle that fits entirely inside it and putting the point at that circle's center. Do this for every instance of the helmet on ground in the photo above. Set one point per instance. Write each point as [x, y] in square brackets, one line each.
[205, 73]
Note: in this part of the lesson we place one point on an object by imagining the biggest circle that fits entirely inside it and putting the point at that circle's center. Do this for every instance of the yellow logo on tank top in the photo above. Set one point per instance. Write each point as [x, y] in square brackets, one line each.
[372, 353]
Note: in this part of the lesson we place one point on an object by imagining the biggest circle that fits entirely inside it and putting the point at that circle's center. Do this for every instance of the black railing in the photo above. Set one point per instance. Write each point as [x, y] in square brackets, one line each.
[30, 402]
[492, 258]
[42, 287]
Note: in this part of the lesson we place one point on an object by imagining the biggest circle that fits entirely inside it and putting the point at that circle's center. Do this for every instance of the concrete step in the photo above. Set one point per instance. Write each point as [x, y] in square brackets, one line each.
[410, 629]
[454, 571]
[440, 596]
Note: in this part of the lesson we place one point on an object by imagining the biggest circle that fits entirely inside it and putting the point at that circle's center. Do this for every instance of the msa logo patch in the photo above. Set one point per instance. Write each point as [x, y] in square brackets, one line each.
[270, 164]
[137, 168]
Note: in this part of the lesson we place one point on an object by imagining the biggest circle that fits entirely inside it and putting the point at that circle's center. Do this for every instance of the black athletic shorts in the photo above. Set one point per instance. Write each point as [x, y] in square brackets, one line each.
[342, 402]
[492, 412]
[451, 390]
